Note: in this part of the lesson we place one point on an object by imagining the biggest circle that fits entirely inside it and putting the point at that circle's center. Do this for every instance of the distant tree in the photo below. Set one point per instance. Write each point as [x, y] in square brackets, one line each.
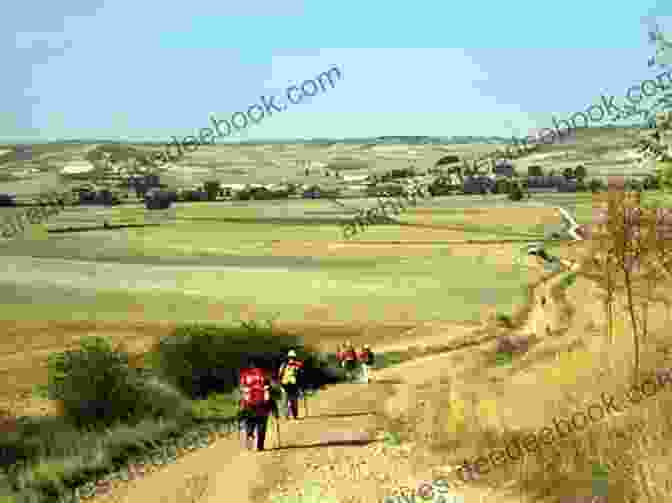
[633, 185]
[595, 185]
[141, 190]
[502, 186]
[568, 173]
[651, 182]
[535, 171]
[212, 188]
[516, 192]
[580, 173]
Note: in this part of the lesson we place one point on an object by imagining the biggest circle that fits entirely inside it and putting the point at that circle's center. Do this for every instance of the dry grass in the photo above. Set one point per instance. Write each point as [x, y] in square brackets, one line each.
[564, 375]
[196, 487]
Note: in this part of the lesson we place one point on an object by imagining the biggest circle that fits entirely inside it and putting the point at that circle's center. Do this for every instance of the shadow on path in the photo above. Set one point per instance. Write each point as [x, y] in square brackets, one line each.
[324, 444]
[352, 414]
[388, 381]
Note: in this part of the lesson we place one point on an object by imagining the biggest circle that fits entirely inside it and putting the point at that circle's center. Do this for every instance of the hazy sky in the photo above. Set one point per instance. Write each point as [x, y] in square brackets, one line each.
[149, 70]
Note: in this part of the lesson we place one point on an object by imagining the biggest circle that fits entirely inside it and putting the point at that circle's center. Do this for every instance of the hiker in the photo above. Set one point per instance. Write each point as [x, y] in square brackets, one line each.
[290, 377]
[349, 359]
[256, 403]
[365, 357]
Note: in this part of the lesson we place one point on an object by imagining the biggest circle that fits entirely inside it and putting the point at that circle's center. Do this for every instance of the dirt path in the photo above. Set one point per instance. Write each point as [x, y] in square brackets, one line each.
[549, 304]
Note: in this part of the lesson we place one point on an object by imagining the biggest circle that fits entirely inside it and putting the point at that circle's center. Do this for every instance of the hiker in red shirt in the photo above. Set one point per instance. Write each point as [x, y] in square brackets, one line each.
[256, 403]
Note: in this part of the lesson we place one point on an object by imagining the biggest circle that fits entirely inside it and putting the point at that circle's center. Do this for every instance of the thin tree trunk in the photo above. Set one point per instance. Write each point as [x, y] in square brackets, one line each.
[610, 300]
[633, 320]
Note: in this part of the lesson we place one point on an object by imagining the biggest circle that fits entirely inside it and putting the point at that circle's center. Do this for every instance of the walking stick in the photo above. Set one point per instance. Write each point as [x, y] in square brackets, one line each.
[277, 430]
[242, 430]
[305, 402]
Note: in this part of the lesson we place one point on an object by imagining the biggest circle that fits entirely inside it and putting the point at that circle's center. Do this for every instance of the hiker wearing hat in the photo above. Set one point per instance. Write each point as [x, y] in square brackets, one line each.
[349, 360]
[256, 404]
[365, 357]
[290, 377]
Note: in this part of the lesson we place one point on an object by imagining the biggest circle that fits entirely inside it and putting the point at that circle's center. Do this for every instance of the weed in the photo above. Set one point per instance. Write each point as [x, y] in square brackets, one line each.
[503, 359]
[312, 493]
[504, 320]
[391, 439]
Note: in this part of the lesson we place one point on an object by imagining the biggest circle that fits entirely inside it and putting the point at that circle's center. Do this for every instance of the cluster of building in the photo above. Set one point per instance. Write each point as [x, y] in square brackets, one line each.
[453, 178]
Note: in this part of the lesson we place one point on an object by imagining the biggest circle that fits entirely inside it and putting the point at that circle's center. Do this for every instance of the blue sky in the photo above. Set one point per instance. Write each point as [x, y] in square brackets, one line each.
[149, 70]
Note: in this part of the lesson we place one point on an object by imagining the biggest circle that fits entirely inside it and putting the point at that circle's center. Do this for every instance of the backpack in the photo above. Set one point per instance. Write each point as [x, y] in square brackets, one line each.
[255, 389]
[289, 373]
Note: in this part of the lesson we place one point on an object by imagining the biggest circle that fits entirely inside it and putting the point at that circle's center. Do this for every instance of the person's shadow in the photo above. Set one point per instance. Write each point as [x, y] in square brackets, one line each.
[333, 443]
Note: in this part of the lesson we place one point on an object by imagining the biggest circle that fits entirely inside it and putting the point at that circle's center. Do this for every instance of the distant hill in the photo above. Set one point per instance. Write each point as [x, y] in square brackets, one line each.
[117, 152]
[374, 140]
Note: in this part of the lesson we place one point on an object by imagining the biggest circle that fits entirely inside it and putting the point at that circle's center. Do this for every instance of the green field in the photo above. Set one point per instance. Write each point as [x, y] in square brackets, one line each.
[220, 269]
[437, 287]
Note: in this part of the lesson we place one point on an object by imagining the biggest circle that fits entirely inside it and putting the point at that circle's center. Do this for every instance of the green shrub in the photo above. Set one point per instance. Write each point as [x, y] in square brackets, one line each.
[92, 383]
[202, 359]
[96, 386]
[161, 399]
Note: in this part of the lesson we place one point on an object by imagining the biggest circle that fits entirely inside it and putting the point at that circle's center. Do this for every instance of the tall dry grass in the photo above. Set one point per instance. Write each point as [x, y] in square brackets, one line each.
[632, 446]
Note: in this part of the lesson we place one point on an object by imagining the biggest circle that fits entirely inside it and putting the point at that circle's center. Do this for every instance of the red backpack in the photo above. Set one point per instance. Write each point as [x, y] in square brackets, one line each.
[255, 388]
